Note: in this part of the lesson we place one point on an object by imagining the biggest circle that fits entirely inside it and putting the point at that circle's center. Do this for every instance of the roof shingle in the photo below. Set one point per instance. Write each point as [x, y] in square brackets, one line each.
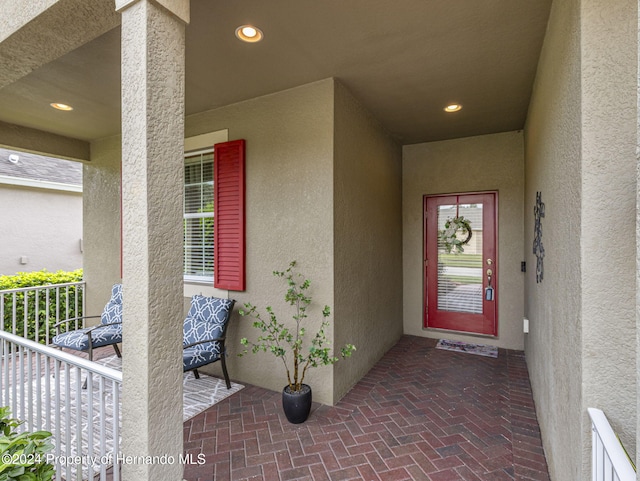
[38, 167]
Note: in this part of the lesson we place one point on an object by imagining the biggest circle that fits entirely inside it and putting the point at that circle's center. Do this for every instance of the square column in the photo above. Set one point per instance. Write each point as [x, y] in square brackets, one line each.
[153, 52]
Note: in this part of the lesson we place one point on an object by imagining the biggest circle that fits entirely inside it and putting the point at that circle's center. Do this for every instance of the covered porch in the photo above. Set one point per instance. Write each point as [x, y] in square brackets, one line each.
[341, 108]
[419, 414]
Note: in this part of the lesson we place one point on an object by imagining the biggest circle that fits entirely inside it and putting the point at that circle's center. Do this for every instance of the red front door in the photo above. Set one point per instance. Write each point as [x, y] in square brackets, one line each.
[461, 281]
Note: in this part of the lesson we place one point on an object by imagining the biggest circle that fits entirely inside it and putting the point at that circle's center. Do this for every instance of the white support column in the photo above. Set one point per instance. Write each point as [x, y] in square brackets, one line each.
[153, 44]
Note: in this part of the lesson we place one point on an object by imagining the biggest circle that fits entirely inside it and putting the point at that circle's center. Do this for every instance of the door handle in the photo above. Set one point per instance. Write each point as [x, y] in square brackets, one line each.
[488, 292]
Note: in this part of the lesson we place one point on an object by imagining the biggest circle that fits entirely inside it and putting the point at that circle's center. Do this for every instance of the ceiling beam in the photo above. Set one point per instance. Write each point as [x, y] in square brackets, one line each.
[39, 31]
[16, 137]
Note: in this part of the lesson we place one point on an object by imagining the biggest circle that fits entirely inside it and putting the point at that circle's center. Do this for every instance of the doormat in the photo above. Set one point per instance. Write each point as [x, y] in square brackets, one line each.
[457, 346]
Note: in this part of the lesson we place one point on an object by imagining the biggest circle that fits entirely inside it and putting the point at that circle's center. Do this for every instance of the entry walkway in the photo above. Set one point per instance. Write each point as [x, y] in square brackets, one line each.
[419, 414]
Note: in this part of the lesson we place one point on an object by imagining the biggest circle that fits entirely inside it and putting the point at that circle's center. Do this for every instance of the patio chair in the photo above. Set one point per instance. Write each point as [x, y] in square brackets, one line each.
[204, 329]
[107, 333]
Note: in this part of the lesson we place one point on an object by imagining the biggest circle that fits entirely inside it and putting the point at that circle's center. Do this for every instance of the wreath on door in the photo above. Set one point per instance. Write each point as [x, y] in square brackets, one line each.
[448, 237]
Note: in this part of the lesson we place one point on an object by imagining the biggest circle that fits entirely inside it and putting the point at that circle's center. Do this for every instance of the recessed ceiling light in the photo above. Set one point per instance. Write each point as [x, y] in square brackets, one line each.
[14, 158]
[60, 106]
[453, 108]
[249, 33]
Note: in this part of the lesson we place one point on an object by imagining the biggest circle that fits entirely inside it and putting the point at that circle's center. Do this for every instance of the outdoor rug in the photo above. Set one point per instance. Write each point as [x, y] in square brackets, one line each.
[198, 394]
[457, 346]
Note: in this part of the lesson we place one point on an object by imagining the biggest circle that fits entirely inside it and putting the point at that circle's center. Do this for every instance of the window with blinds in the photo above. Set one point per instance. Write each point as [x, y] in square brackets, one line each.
[460, 274]
[198, 216]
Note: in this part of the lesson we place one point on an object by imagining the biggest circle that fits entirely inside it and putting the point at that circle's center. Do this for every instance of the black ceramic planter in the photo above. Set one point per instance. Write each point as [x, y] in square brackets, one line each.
[296, 405]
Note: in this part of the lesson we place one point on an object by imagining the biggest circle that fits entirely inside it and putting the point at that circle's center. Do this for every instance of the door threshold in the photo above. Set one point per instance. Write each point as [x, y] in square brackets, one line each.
[464, 333]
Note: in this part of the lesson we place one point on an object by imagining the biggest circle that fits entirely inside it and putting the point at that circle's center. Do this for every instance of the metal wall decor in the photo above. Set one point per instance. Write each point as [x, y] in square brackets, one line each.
[538, 248]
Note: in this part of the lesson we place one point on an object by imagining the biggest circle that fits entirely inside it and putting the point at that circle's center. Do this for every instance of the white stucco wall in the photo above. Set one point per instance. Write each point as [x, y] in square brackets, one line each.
[102, 232]
[609, 113]
[289, 215]
[43, 225]
[368, 239]
[306, 199]
[579, 152]
[289, 212]
[552, 153]
[484, 163]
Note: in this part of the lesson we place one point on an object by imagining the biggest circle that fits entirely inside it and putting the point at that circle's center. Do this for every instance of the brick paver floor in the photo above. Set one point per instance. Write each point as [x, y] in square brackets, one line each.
[419, 414]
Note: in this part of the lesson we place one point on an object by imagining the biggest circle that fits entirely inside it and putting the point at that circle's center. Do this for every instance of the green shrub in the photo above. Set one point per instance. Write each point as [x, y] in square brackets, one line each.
[62, 306]
[39, 278]
[23, 456]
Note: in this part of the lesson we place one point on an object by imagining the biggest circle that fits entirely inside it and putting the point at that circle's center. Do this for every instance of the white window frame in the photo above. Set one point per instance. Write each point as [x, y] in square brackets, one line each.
[192, 277]
[193, 145]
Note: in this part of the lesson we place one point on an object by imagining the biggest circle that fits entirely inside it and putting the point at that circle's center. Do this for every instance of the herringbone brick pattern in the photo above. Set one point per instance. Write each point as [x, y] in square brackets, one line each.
[419, 414]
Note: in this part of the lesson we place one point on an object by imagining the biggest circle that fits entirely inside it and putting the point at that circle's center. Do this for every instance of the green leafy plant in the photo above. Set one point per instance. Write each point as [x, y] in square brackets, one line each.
[46, 307]
[286, 343]
[23, 455]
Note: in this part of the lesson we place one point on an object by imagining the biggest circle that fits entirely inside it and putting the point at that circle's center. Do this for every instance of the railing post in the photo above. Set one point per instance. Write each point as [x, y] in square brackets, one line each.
[609, 460]
[59, 404]
[32, 297]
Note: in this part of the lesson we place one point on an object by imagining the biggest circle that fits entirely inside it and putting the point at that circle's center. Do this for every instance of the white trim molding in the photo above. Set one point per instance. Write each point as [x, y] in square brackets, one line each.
[39, 184]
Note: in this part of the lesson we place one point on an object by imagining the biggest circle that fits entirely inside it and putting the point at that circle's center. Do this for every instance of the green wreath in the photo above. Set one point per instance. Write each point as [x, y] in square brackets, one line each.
[448, 237]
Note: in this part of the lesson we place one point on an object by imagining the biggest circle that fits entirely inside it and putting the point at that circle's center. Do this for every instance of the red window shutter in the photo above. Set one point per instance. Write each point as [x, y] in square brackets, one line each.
[228, 206]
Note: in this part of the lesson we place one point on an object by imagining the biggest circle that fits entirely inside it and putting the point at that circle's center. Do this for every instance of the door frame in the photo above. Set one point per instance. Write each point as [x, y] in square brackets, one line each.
[490, 332]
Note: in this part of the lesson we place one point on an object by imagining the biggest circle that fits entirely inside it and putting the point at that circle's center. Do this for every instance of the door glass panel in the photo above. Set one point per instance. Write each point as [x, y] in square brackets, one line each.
[460, 273]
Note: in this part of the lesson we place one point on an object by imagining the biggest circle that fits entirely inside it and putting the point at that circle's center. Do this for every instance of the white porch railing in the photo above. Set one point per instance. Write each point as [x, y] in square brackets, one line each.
[609, 460]
[45, 387]
[31, 312]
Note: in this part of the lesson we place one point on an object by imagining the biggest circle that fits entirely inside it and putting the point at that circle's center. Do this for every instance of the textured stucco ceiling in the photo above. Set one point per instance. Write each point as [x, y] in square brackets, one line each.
[404, 60]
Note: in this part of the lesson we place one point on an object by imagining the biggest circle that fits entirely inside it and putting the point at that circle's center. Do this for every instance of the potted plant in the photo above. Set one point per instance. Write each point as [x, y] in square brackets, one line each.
[287, 343]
